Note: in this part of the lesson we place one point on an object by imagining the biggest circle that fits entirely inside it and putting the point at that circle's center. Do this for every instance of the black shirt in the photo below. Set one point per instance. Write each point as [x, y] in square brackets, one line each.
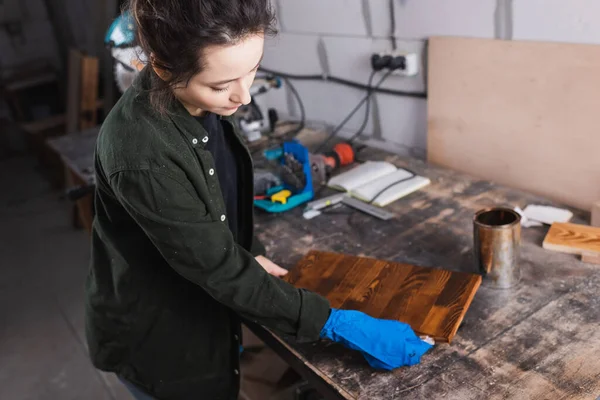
[220, 146]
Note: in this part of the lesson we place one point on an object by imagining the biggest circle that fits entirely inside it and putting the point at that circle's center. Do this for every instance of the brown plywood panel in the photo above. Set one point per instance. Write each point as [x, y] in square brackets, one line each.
[523, 114]
[432, 301]
[573, 238]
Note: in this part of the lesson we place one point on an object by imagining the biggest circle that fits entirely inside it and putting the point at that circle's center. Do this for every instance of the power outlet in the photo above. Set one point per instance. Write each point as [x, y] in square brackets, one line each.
[410, 65]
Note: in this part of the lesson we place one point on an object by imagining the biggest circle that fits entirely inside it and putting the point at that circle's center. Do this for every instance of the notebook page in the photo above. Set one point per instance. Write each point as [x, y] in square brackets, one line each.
[363, 174]
[394, 192]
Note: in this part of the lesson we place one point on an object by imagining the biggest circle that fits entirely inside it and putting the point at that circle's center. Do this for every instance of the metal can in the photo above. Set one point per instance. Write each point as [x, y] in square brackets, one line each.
[497, 242]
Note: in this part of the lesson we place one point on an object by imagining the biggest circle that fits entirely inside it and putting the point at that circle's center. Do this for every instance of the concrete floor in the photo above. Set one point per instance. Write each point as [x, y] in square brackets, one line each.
[43, 263]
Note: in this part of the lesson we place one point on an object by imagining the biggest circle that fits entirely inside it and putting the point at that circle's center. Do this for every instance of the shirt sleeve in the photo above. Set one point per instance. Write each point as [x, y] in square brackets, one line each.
[258, 249]
[176, 220]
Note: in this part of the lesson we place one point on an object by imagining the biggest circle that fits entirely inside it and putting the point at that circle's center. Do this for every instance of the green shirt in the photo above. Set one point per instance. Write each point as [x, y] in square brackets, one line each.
[168, 283]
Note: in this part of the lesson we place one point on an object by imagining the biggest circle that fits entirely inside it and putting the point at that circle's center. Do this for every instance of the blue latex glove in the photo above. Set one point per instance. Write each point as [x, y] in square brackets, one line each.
[385, 344]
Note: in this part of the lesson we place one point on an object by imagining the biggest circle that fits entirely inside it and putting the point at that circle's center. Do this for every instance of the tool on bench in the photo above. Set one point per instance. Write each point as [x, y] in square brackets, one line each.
[293, 167]
[312, 208]
[323, 164]
[252, 121]
[375, 211]
[298, 170]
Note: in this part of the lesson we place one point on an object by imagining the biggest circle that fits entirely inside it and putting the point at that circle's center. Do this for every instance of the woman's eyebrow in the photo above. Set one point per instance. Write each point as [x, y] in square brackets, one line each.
[231, 80]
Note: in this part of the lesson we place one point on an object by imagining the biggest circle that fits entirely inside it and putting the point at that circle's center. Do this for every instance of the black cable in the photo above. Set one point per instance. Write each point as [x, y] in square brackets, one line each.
[393, 25]
[393, 184]
[302, 110]
[420, 95]
[367, 112]
[351, 114]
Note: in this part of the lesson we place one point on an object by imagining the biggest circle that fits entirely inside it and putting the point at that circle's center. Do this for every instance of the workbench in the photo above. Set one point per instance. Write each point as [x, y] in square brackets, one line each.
[539, 340]
[76, 151]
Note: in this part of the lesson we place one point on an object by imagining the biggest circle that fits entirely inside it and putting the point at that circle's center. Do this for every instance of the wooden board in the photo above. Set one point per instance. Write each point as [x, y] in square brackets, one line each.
[432, 301]
[89, 92]
[595, 221]
[595, 215]
[520, 113]
[573, 238]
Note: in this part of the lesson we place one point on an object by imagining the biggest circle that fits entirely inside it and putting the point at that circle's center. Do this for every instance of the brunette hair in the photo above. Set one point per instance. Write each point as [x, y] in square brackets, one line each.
[174, 33]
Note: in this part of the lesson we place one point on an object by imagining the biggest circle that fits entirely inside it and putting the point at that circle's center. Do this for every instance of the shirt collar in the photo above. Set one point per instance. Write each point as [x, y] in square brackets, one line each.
[183, 120]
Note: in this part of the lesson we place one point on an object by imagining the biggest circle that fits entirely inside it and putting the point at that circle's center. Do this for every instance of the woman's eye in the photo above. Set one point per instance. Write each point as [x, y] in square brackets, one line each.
[220, 90]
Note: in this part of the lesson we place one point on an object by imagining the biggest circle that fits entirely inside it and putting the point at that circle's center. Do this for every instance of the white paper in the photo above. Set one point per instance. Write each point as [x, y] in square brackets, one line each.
[526, 222]
[546, 214]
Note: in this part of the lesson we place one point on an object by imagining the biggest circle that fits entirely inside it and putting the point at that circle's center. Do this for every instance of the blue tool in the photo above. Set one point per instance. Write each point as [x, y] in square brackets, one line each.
[291, 152]
[127, 56]
[121, 32]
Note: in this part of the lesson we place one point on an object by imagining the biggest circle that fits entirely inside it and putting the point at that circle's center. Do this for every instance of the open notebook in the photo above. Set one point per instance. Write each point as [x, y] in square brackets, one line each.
[378, 180]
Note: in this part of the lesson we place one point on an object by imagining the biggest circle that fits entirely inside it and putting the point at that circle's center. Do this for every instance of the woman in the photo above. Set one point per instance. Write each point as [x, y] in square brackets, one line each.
[175, 263]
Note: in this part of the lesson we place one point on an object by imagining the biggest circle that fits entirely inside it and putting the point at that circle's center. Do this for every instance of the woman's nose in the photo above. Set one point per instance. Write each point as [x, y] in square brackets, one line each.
[242, 95]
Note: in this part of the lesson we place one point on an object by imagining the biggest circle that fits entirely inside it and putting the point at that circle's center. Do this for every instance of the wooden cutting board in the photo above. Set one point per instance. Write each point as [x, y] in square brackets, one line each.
[573, 238]
[432, 301]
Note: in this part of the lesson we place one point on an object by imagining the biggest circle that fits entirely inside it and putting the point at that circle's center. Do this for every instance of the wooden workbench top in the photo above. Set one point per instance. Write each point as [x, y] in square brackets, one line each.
[539, 340]
[77, 152]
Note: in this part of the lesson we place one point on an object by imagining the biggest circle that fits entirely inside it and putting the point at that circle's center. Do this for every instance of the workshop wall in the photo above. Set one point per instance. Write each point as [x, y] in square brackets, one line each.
[26, 34]
[337, 38]
[36, 29]
[84, 35]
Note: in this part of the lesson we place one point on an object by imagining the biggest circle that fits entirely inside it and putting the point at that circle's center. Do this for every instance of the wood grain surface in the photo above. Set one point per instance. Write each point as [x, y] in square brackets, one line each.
[594, 221]
[432, 301]
[573, 239]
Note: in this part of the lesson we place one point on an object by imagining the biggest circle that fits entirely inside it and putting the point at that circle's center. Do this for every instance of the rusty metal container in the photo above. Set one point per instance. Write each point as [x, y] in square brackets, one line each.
[497, 242]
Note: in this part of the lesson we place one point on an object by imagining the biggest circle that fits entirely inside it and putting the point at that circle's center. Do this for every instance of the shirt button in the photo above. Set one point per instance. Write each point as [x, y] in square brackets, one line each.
[235, 371]
[211, 172]
[195, 141]
[205, 139]
[222, 218]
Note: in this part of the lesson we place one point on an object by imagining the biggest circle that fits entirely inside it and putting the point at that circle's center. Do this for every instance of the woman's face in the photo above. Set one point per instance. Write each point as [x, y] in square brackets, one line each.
[224, 83]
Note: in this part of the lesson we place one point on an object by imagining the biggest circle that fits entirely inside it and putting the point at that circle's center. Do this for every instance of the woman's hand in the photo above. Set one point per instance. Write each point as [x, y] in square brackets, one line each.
[385, 344]
[271, 267]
